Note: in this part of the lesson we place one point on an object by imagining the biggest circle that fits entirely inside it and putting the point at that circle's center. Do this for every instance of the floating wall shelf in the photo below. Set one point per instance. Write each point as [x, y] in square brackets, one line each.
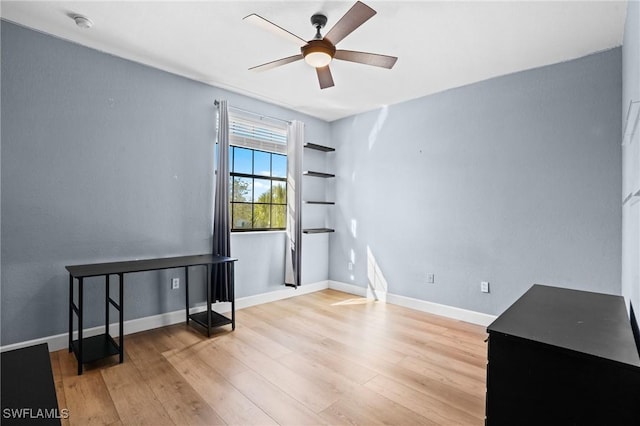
[318, 198]
[318, 174]
[318, 147]
[317, 230]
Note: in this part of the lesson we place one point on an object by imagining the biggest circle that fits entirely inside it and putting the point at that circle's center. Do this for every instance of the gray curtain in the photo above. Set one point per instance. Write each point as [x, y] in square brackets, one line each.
[293, 255]
[220, 290]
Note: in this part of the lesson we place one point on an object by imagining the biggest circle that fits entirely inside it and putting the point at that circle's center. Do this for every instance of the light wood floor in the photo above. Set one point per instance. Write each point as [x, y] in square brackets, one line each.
[322, 358]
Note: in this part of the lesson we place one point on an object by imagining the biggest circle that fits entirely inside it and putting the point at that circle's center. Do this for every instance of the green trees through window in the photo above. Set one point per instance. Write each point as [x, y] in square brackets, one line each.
[258, 190]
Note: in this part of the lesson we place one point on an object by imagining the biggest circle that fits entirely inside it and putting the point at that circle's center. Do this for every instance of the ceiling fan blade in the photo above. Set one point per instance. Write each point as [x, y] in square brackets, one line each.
[356, 16]
[276, 63]
[270, 26]
[324, 77]
[374, 59]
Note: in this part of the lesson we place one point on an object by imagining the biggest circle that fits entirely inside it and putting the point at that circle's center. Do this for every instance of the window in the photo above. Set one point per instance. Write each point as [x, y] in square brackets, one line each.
[258, 171]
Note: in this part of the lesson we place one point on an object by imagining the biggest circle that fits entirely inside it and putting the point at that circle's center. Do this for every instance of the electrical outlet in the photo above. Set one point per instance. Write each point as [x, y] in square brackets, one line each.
[431, 278]
[350, 266]
[484, 286]
[175, 283]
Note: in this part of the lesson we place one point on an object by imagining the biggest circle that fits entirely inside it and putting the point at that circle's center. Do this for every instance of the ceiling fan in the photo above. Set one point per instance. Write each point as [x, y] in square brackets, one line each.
[320, 51]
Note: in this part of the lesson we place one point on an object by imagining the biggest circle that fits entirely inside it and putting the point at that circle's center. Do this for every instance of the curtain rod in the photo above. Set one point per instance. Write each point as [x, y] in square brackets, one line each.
[216, 103]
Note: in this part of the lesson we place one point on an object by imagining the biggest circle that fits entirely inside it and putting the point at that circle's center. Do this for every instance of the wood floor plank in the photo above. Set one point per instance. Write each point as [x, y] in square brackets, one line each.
[182, 403]
[416, 347]
[262, 343]
[230, 404]
[368, 408]
[398, 316]
[282, 337]
[432, 408]
[463, 399]
[219, 360]
[320, 358]
[132, 396]
[88, 400]
[358, 352]
[55, 367]
[446, 360]
[452, 377]
[272, 400]
[402, 342]
[146, 346]
[387, 321]
[185, 335]
[319, 374]
[362, 357]
[313, 396]
[334, 361]
[245, 318]
[59, 385]
[359, 337]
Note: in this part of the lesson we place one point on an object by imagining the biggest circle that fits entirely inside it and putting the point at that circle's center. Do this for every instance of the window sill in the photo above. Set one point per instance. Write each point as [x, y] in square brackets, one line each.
[257, 232]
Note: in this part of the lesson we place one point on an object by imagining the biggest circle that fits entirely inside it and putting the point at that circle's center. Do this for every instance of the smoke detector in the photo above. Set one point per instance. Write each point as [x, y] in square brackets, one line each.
[83, 21]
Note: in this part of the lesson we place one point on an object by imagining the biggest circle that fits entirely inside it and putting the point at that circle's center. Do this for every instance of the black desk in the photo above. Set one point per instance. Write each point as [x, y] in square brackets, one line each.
[28, 391]
[563, 357]
[101, 346]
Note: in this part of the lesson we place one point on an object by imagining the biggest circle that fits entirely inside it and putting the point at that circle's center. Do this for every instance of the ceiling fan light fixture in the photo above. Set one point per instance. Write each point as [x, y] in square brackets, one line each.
[318, 53]
[318, 59]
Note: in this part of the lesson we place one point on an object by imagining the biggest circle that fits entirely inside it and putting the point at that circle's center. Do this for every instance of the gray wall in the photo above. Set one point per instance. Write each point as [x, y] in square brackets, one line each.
[104, 159]
[514, 180]
[631, 159]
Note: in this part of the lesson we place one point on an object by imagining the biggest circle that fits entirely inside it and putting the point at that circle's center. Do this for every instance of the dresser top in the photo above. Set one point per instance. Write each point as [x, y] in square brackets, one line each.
[582, 321]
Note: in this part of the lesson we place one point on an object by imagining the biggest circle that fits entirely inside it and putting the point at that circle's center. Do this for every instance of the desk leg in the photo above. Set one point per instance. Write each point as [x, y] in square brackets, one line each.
[233, 296]
[106, 304]
[209, 269]
[70, 313]
[121, 330]
[80, 324]
[186, 290]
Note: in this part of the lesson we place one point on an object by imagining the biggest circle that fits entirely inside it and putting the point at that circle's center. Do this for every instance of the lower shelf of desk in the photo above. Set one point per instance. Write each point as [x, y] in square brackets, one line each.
[96, 347]
[217, 320]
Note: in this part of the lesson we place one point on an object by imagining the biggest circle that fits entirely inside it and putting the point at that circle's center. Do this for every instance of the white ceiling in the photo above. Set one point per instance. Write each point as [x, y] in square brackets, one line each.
[440, 44]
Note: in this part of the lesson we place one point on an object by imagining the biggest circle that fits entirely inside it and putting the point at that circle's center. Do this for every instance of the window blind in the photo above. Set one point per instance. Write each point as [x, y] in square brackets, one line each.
[261, 134]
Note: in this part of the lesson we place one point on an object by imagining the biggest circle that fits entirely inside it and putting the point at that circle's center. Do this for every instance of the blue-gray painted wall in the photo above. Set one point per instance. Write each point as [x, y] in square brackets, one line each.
[105, 159]
[514, 180]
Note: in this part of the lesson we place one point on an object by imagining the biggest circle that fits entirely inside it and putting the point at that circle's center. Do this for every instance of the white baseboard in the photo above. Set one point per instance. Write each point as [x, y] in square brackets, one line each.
[442, 310]
[348, 288]
[61, 341]
[284, 293]
[420, 305]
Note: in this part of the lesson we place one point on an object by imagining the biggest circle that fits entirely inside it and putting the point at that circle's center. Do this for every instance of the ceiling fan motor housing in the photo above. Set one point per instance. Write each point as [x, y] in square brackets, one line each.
[323, 46]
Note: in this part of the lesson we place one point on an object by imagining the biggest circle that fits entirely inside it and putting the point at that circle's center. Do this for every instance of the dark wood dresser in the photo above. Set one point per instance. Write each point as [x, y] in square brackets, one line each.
[28, 390]
[563, 357]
